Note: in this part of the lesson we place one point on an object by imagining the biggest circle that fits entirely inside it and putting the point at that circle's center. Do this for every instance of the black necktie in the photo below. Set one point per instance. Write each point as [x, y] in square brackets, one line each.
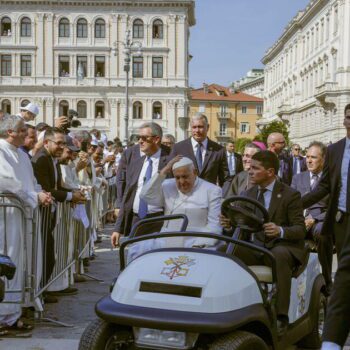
[261, 199]
[199, 157]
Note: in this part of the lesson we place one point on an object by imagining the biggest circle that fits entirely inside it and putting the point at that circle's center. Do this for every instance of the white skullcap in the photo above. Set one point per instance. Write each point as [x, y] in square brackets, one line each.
[182, 162]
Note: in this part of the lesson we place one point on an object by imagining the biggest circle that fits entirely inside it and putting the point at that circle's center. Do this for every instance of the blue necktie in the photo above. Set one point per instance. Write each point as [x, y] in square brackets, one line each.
[348, 192]
[230, 164]
[199, 157]
[143, 204]
[295, 165]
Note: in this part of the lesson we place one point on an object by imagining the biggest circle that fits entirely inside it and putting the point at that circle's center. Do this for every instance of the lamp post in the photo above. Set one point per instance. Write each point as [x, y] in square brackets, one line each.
[130, 48]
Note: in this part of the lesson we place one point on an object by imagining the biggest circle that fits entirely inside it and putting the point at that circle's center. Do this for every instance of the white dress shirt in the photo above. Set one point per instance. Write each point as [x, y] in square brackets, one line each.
[195, 146]
[155, 164]
[330, 346]
[344, 177]
[232, 156]
[313, 180]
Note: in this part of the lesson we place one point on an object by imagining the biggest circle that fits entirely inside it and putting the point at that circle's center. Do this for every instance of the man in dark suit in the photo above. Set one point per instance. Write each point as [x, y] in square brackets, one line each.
[208, 156]
[297, 160]
[139, 164]
[304, 182]
[48, 175]
[276, 144]
[234, 160]
[283, 235]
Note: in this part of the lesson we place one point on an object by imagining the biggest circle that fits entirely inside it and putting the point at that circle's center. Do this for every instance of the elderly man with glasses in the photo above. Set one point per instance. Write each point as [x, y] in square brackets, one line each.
[137, 166]
[298, 161]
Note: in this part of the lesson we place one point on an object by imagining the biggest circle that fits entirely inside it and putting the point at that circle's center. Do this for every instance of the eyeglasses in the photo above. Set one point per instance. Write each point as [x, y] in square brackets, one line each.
[296, 149]
[144, 138]
[59, 144]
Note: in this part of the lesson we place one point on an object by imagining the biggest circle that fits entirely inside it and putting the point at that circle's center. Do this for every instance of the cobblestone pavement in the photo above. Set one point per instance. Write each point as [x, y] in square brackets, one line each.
[77, 310]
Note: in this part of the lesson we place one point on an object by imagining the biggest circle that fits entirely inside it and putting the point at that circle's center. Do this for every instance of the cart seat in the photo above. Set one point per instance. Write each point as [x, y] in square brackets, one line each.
[263, 273]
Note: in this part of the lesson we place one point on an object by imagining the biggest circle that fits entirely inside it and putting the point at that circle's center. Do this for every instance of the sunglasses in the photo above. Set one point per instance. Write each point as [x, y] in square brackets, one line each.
[144, 138]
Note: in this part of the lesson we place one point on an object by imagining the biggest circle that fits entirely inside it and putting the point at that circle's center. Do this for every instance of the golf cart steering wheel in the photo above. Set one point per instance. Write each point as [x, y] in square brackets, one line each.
[243, 214]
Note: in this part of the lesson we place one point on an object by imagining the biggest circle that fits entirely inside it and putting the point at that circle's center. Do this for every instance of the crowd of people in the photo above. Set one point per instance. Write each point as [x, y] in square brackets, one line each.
[306, 197]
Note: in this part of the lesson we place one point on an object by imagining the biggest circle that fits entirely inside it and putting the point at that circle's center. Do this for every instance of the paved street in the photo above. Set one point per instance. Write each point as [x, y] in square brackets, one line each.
[77, 310]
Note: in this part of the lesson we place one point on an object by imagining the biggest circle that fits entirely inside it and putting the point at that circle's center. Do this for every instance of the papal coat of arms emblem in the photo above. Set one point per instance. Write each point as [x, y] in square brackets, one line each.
[177, 267]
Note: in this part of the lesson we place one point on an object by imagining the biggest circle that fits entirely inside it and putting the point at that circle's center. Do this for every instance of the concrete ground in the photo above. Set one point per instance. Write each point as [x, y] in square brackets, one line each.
[77, 310]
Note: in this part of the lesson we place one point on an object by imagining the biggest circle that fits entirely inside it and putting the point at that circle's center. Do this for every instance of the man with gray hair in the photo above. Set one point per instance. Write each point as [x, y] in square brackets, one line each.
[137, 165]
[208, 156]
[168, 140]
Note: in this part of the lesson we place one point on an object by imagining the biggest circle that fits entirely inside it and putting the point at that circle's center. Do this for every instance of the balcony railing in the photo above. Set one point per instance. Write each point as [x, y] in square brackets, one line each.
[223, 135]
[224, 115]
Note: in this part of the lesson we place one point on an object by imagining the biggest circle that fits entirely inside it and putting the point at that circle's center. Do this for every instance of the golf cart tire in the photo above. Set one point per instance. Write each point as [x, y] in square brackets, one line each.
[97, 334]
[239, 340]
[313, 339]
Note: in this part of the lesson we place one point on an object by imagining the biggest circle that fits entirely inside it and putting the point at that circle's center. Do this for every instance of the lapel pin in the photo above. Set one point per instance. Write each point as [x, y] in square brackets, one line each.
[279, 196]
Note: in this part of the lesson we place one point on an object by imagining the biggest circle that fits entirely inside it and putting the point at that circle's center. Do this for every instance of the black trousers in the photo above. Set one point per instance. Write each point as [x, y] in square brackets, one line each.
[285, 264]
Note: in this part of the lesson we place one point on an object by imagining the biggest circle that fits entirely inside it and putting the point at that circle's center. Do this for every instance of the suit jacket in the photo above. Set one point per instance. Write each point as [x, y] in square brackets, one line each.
[238, 163]
[286, 211]
[45, 174]
[128, 179]
[301, 182]
[302, 161]
[286, 169]
[215, 168]
[240, 183]
[329, 184]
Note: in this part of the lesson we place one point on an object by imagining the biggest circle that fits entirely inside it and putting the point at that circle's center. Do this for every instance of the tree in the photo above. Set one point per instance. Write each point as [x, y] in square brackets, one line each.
[241, 143]
[275, 126]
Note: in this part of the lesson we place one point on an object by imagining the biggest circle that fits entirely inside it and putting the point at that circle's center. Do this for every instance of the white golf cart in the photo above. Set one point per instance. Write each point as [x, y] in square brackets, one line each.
[192, 298]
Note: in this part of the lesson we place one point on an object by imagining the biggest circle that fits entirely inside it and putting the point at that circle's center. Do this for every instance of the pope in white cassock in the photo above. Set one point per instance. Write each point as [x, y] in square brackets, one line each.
[185, 194]
[17, 177]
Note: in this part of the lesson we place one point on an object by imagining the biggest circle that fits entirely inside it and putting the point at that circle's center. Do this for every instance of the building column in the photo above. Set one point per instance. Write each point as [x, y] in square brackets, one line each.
[172, 47]
[48, 47]
[113, 103]
[39, 33]
[49, 115]
[181, 52]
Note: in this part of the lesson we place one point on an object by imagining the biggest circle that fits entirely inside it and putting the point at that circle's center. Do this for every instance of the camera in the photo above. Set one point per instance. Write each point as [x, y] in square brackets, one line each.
[7, 269]
[73, 122]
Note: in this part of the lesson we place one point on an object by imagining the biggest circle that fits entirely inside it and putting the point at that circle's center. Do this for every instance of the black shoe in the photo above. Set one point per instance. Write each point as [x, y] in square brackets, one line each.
[282, 325]
[86, 262]
[327, 290]
[67, 291]
[50, 299]
[98, 240]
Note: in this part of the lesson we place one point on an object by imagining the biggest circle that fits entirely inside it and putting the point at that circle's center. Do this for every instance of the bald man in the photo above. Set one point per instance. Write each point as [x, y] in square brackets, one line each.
[276, 144]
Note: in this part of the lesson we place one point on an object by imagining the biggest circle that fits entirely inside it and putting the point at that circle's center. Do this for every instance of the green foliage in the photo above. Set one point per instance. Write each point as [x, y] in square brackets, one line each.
[275, 126]
[240, 144]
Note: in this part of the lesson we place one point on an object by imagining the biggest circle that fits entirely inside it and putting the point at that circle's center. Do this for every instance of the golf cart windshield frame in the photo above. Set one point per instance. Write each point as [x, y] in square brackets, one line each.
[222, 238]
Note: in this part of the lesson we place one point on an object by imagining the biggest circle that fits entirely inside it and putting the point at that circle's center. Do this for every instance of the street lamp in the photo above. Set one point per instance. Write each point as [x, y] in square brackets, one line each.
[130, 48]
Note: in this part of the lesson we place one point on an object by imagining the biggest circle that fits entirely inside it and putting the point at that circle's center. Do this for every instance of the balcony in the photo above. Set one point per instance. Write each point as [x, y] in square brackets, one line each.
[92, 123]
[284, 108]
[224, 115]
[326, 94]
[223, 136]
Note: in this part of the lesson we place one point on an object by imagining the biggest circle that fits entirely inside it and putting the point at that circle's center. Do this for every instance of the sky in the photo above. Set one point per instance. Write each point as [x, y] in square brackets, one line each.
[231, 36]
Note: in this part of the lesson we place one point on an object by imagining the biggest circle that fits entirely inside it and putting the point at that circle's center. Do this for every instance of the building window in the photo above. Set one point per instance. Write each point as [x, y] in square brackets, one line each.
[82, 109]
[201, 108]
[223, 109]
[99, 109]
[63, 62]
[6, 63]
[259, 109]
[26, 27]
[100, 66]
[82, 28]
[137, 29]
[157, 110]
[6, 106]
[157, 67]
[24, 103]
[223, 129]
[137, 67]
[26, 65]
[137, 110]
[63, 28]
[100, 28]
[63, 108]
[81, 66]
[244, 128]
[6, 26]
[244, 109]
[157, 29]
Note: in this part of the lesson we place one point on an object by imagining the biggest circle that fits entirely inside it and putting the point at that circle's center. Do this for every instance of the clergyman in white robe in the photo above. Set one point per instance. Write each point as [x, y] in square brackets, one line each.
[17, 177]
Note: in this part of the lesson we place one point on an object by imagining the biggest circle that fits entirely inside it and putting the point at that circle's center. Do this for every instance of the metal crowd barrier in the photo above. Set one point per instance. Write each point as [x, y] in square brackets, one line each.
[25, 237]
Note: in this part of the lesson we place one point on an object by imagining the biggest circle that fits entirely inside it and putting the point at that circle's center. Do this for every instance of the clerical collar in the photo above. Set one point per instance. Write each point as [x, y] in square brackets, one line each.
[269, 187]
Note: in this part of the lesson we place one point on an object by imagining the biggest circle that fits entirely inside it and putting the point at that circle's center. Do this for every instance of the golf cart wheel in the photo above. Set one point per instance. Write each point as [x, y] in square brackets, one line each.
[313, 340]
[101, 335]
[239, 340]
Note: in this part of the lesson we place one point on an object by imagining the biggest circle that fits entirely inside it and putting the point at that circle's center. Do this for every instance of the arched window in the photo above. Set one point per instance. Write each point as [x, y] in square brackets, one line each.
[6, 106]
[82, 28]
[6, 26]
[26, 27]
[137, 110]
[63, 27]
[63, 108]
[82, 109]
[157, 110]
[137, 29]
[100, 28]
[157, 29]
[24, 103]
[99, 109]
